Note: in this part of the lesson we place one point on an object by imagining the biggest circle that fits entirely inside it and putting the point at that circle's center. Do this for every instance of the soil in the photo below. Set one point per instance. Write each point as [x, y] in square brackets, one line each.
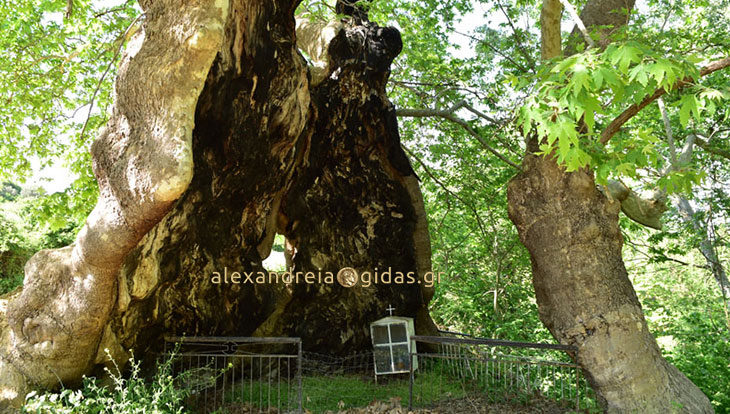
[464, 406]
[455, 406]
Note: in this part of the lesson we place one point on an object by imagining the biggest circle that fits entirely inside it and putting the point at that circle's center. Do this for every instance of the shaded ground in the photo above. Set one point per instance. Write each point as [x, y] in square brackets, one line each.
[455, 406]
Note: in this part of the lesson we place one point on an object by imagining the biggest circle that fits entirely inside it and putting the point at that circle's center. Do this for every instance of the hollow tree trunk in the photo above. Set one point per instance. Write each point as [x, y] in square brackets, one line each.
[584, 295]
[329, 187]
[197, 175]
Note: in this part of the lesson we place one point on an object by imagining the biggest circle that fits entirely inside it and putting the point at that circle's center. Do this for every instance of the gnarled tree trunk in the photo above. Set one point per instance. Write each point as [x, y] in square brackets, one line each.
[584, 294]
[219, 140]
[49, 333]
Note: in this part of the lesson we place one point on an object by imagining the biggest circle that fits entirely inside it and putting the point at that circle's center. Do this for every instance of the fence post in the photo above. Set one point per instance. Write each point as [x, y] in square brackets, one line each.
[299, 374]
[577, 388]
[410, 382]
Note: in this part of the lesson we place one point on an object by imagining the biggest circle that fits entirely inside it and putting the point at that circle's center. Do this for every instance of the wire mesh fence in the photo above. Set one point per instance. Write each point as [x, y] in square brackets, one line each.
[243, 375]
[273, 375]
[484, 371]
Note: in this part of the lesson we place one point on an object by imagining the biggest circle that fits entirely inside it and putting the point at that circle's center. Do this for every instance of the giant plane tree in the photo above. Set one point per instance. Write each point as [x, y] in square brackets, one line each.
[232, 121]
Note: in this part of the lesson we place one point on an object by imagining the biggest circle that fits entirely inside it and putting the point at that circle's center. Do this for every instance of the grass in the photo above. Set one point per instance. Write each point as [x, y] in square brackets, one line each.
[432, 388]
[322, 393]
[167, 392]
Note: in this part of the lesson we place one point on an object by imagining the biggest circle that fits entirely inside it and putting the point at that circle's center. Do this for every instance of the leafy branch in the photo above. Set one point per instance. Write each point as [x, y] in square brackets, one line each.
[629, 113]
[574, 95]
[450, 115]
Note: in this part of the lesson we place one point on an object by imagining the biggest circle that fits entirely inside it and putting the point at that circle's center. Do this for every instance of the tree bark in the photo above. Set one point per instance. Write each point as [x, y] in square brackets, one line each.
[336, 196]
[50, 331]
[550, 16]
[219, 140]
[584, 295]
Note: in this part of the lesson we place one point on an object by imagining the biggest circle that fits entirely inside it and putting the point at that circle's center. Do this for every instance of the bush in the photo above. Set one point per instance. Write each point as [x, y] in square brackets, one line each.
[10, 236]
[132, 395]
[14, 252]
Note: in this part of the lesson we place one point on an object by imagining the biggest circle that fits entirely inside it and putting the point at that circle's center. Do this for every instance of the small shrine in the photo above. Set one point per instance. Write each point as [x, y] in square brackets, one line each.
[392, 344]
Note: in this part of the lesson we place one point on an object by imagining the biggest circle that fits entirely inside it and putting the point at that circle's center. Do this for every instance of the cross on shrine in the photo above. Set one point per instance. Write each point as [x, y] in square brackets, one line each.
[390, 309]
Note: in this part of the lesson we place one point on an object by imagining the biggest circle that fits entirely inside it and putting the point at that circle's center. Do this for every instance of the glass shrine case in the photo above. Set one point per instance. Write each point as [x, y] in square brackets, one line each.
[392, 345]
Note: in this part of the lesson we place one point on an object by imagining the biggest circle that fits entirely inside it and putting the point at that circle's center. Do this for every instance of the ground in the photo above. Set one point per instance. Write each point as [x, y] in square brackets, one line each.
[456, 406]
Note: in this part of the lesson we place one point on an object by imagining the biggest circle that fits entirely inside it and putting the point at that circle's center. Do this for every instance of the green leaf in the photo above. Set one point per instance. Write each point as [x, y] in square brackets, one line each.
[580, 80]
[688, 105]
[564, 65]
[625, 56]
[658, 70]
[638, 73]
[592, 107]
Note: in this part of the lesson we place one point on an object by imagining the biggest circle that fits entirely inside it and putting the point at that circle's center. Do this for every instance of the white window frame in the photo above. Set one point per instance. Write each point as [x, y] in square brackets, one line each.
[390, 344]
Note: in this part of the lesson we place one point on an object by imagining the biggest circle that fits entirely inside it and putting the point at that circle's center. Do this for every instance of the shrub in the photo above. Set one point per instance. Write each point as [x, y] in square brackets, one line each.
[131, 395]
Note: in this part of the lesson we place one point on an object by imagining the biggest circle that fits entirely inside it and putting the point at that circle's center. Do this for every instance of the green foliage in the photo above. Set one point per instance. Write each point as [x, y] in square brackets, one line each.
[163, 394]
[688, 318]
[13, 255]
[11, 282]
[53, 66]
[9, 191]
[32, 223]
[10, 236]
[576, 98]
[61, 215]
[57, 86]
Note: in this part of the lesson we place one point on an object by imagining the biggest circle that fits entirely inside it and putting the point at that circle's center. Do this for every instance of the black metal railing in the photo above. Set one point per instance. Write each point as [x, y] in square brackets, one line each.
[243, 374]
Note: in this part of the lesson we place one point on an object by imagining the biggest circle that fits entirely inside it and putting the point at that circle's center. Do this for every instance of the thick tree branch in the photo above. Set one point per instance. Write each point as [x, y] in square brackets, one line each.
[578, 22]
[427, 112]
[645, 211]
[550, 44]
[629, 113]
[448, 114]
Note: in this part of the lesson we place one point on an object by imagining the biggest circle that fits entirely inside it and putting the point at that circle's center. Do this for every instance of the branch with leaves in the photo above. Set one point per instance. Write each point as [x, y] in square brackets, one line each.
[629, 113]
[575, 94]
[450, 115]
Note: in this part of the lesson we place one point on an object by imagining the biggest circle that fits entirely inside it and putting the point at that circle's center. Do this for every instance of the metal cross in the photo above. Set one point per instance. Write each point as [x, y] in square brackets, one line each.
[390, 309]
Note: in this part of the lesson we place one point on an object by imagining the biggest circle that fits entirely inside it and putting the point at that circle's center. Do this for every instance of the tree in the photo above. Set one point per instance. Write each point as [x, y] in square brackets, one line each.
[585, 297]
[575, 247]
[218, 139]
[259, 143]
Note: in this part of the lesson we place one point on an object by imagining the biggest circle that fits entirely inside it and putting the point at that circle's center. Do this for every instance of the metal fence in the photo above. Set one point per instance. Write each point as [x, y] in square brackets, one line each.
[455, 374]
[239, 374]
[457, 369]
